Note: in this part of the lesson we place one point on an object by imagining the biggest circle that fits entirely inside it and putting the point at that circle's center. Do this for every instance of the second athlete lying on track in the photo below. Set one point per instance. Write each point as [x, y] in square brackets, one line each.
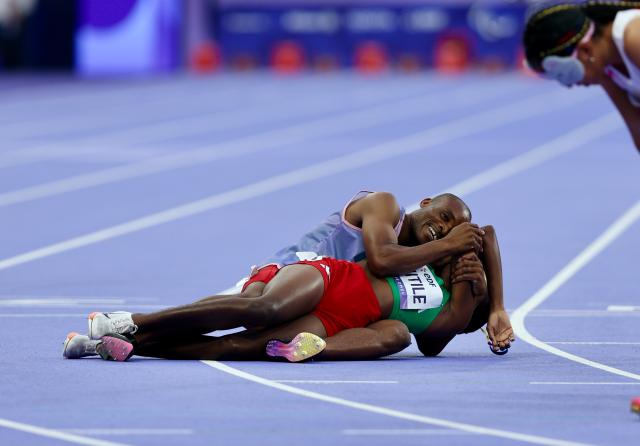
[374, 225]
[333, 299]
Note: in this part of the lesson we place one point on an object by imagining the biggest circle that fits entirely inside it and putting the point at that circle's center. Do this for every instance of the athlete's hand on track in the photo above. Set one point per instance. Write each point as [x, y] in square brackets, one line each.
[499, 329]
[465, 237]
[469, 268]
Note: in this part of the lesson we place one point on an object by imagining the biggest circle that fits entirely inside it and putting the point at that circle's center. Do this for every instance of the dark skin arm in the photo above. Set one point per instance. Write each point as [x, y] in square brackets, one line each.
[492, 262]
[378, 214]
[498, 325]
[629, 113]
[452, 320]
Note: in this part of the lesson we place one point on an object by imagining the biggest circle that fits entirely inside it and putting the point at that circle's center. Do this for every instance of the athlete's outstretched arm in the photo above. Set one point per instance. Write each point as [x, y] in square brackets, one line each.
[378, 213]
[498, 324]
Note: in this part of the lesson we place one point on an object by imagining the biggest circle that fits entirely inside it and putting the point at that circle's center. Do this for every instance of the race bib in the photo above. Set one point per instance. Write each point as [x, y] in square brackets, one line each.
[419, 290]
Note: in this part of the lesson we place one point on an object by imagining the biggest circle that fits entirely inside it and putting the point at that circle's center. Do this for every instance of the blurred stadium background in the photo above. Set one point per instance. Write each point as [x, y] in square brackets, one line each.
[142, 37]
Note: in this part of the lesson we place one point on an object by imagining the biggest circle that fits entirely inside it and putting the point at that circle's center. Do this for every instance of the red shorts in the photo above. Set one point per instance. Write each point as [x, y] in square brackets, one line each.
[264, 274]
[348, 300]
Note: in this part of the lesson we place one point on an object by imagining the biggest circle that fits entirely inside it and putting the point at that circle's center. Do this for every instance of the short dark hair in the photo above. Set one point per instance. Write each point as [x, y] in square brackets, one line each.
[455, 197]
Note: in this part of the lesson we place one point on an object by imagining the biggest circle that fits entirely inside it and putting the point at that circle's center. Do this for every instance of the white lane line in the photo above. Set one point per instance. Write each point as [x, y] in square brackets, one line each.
[123, 431]
[200, 96]
[470, 428]
[145, 102]
[52, 433]
[581, 313]
[393, 432]
[528, 160]
[70, 98]
[157, 106]
[563, 144]
[306, 131]
[423, 140]
[623, 308]
[224, 119]
[57, 302]
[590, 343]
[580, 261]
[328, 381]
[78, 298]
[104, 306]
[550, 150]
[582, 383]
[193, 207]
[102, 154]
[70, 302]
[28, 315]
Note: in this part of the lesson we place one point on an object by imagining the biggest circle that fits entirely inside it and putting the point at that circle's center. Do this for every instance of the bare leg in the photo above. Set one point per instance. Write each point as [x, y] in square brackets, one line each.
[248, 345]
[253, 290]
[293, 292]
[379, 339]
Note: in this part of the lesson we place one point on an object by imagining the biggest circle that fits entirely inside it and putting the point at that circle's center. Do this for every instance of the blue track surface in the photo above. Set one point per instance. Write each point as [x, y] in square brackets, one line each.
[262, 159]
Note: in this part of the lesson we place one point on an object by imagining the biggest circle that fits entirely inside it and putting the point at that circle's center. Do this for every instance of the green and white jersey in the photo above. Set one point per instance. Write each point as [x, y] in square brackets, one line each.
[418, 298]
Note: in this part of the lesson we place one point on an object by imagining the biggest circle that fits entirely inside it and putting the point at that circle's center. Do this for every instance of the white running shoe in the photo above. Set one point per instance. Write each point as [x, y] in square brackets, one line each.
[113, 347]
[78, 346]
[304, 346]
[101, 324]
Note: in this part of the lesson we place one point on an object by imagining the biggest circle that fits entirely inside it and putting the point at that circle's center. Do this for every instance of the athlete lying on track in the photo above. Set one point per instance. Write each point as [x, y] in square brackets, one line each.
[342, 301]
[375, 226]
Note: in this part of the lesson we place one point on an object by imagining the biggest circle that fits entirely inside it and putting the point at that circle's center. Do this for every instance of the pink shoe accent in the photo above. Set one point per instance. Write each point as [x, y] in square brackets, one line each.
[304, 346]
[116, 349]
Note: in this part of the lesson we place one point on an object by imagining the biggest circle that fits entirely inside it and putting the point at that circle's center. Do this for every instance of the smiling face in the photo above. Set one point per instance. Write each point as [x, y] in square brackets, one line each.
[437, 216]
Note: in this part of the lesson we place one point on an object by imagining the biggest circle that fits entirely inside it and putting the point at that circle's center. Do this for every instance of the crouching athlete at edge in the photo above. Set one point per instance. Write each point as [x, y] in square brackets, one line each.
[590, 43]
[356, 311]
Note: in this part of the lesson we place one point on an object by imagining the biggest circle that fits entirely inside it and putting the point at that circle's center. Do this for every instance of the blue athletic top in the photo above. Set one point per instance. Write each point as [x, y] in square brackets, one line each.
[335, 237]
